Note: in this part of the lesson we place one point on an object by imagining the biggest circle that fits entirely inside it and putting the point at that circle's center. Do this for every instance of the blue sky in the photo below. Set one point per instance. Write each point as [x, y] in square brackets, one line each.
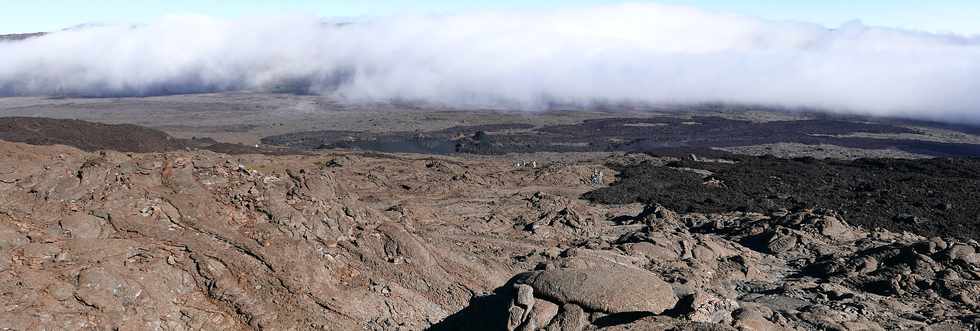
[960, 16]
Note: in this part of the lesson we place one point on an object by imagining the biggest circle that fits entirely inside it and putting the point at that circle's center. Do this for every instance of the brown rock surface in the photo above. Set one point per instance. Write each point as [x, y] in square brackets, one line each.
[612, 290]
[202, 240]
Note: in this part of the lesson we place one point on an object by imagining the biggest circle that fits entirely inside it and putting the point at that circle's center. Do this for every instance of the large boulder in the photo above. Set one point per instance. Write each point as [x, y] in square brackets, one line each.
[610, 290]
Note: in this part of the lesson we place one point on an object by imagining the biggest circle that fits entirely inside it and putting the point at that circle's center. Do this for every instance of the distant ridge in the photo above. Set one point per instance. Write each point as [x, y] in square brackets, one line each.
[20, 36]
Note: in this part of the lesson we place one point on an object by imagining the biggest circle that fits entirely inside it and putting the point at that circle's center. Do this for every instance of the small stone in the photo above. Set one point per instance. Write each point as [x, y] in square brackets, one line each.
[515, 317]
[100, 288]
[962, 253]
[552, 252]
[61, 291]
[703, 254]
[530, 325]
[781, 243]
[867, 265]
[752, 319]
[82, 226]
[939, 243]
[711, 309]
[525, 295]
[571, 318]
[832, 227]
[10, 237]
[544, 312]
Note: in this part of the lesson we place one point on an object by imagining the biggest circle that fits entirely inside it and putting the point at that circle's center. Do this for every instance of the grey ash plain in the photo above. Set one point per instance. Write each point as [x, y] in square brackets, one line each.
[310, 122]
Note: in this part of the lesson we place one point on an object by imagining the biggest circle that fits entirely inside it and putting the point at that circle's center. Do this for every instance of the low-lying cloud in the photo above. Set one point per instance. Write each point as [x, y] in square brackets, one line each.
[525, 59]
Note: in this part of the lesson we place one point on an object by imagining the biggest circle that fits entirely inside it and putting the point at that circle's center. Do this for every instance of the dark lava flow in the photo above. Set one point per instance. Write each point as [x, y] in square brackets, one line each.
[933, 197]
[86, 136]
[930, 197]
[89, 136]
[622, 134]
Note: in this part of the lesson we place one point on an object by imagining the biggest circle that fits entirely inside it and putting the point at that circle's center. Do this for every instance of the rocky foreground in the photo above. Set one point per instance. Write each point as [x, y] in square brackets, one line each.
[342, 241]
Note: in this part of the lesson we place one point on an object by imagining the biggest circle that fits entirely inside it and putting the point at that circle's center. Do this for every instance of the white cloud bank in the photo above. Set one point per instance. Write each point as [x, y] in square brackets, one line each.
[628, 53]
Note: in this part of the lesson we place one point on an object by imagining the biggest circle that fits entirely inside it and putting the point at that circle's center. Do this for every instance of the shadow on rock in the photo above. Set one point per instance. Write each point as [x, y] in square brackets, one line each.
[621, 319]
[483, 313]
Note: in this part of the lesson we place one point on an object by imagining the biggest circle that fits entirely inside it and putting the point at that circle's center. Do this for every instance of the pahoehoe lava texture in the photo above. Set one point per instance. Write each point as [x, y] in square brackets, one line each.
[339, 240]
[624, 134]
[930, 196]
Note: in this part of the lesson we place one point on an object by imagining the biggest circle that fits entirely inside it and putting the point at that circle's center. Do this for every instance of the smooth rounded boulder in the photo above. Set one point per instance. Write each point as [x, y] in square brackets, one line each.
[612, 290]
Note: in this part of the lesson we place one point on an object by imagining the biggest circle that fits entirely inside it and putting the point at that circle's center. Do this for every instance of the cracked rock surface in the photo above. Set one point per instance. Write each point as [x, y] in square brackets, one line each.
[189, 240]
